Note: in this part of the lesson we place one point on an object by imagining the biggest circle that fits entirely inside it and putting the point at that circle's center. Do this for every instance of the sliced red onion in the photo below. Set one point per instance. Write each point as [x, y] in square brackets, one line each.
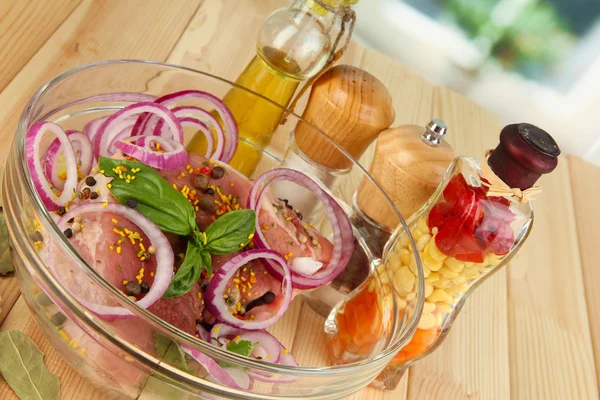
[232, 377]
[218, 284]
[146, 123]
[84, 156]
[206, 117]
[173, 155]
[34, 138]
[203, 334]
[164, 255]
[307, 266]
[267, 347]
[201, 126]
[343, 237]
[92, 127]
[112, 126]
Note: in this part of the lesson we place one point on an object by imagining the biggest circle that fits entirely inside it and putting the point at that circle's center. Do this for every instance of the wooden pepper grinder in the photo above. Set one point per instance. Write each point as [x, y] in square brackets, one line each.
[409, 164]
[351, 107]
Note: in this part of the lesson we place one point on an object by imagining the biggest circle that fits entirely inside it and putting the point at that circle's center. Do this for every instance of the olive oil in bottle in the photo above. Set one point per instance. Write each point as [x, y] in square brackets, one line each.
[294, 44]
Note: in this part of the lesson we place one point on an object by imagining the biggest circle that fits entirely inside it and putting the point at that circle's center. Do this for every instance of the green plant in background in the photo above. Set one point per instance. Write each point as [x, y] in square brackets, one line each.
[526, 36]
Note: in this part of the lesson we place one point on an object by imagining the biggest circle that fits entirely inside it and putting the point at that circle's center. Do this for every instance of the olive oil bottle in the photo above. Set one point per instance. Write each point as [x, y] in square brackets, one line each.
[294, 44]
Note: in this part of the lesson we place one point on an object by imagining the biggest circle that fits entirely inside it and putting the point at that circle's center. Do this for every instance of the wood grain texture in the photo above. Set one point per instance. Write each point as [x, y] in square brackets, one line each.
[550, 345]
[24, 27]
[9, 291]
[524, 334]
[473, 361]
[72, 385]
[586, 197]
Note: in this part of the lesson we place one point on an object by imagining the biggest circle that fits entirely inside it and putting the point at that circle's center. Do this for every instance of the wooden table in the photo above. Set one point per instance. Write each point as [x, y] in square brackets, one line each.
[530, 332]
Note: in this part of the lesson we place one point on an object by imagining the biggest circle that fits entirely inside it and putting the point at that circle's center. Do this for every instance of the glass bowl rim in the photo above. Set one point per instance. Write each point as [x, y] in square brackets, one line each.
[176, 333]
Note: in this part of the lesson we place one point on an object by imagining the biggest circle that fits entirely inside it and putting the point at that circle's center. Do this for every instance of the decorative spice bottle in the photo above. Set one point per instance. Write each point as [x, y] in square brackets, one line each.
[475, 222]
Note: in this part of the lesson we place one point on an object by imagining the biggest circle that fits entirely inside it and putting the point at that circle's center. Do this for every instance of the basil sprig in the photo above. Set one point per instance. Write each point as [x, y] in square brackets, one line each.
[156, 199]
[173, 213]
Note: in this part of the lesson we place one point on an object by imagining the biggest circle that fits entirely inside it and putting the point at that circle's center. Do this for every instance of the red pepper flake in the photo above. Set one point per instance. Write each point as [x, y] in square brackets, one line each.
[205, 170]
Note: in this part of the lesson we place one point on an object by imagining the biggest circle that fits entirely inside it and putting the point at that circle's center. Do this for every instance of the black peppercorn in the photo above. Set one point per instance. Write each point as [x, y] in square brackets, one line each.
[207, 203]
[145, 287]
[210, 191]
[201, 181]
[217, 172]
[61, 211]
[58, 319]
[68, 233]
[36, 236]
[44, 300]
[133, 289]
[268, 297]
[71, 220]
[132, 203]
[90, 181]
[93, 195]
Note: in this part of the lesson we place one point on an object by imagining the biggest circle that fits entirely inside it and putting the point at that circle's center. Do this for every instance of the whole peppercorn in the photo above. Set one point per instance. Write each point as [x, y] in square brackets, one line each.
[201, 181]
[217, 172]
[90, 181]
[133, 289]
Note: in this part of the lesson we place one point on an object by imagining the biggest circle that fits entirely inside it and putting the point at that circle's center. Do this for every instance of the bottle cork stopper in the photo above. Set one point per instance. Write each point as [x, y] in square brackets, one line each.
[524, 154]
[351, 107]
[410, 162]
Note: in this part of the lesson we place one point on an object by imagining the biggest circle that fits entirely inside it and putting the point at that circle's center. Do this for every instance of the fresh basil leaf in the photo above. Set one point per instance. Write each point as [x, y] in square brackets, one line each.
[156, 199]
[188, 273]
[170, 352]
[22, 367]
[230, 232]
[206, 262]
[243, 347]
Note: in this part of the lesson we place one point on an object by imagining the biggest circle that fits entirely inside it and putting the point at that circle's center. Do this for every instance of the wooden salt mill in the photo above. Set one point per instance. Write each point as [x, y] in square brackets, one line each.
[409, 164]
[351, 107]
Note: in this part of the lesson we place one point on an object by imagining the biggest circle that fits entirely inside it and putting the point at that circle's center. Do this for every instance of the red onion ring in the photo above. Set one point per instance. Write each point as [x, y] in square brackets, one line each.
[91, 128]
[232, 377]
[270, 346]
[33, 140]
[217, 286]
[205, 117]
[84, 157]
[203, 334]
[146, 123]
[343, 237]
[164, 255]
[201, 126]
[173, 157]
[111, 127]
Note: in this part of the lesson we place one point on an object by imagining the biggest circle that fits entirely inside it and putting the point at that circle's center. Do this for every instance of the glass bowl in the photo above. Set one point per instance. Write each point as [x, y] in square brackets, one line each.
[120, 355]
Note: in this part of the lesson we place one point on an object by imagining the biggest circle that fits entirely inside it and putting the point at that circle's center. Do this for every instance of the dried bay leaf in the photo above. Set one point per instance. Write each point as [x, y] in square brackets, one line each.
[22, 367]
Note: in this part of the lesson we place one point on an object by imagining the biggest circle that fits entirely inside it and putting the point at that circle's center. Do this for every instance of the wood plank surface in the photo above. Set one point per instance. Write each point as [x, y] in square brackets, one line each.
[550, 346]
[586, 199]
[24, 27]
[529, 332]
